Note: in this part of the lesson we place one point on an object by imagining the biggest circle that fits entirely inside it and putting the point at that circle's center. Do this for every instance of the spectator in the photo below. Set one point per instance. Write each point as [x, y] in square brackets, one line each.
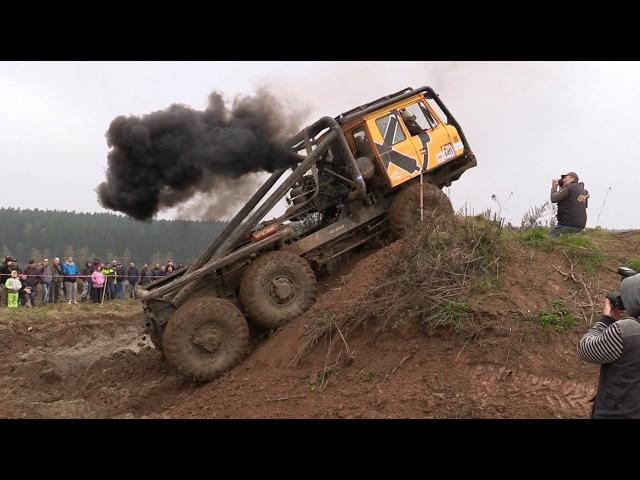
[169, 270]
[28, 291]
[156, 273]
[45, 280]
[180, 266]
[144, 275]
[87, 271]
[13, 286]
[33, 275]
[70, 272]
[97, 284]
[121, 277]
[5, 274]
[163, 270]
[109, 273]
[133, 277]
[614, 344]
[55, 292]
[572, 200]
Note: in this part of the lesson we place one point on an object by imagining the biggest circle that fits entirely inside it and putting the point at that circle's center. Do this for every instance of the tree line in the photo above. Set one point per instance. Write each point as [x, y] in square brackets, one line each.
[38, 234]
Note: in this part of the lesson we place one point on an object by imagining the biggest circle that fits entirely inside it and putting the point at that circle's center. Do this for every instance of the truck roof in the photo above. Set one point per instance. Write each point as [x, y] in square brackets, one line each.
[370, 106]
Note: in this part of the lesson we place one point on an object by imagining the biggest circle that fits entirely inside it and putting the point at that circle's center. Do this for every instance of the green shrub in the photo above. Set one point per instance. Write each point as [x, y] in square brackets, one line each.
[635, 264]
[559, 318]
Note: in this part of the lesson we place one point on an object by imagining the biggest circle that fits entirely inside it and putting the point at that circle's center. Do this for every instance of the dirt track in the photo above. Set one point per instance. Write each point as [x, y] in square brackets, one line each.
[78, 362]
[87, 362]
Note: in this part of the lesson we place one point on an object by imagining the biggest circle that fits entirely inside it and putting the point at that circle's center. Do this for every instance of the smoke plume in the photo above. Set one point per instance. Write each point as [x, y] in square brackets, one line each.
[162, 159]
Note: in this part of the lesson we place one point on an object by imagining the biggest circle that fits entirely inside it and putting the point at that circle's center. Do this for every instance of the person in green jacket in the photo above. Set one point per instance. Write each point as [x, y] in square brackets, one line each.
[110, 275]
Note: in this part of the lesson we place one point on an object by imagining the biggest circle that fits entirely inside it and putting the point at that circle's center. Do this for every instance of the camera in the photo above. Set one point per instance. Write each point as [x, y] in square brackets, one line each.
[614, 297]
[561, 182]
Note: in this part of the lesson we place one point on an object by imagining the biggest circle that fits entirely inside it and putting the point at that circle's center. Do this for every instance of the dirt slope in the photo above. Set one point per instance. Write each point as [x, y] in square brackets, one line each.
[512, 368]
[93, 363]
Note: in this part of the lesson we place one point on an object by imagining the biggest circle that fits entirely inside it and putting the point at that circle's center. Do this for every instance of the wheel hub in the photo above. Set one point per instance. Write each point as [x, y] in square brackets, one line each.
[208, 338]
[282, 289]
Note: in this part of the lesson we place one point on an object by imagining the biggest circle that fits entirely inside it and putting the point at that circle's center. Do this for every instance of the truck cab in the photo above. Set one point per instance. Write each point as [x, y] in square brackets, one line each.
[404, 137]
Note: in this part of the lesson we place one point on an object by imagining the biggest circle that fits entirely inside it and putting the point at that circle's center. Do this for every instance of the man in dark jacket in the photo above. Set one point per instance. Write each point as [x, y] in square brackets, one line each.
[133, 277]
[45, 280]
[121, 277]
[27, 293]
[572, 204]
[33, 275]
[156, 273]
[55, 292]
[86, 273]
[144, 275]
[614, 344]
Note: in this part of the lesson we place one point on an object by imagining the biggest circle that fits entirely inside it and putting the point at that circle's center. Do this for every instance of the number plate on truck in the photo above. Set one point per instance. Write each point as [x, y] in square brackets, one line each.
[446, 153]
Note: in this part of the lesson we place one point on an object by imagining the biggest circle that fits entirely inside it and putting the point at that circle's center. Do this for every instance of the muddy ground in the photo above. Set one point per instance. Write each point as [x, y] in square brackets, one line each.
[88, 361]
[82, 361]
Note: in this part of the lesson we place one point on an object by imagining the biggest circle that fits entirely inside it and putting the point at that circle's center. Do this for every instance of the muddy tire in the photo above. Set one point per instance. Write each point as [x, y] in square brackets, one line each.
[205, 336]
[278, 287]
[405, 208]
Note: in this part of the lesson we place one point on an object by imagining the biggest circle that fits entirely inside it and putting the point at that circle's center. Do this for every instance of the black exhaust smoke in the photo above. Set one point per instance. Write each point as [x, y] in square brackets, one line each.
[162, 159]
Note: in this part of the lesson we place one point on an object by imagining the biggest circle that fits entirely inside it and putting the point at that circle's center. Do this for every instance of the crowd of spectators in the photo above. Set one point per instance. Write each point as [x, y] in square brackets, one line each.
[43, 283]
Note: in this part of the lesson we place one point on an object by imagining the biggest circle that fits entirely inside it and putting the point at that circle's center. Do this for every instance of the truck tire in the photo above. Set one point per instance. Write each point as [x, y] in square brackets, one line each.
[405, 208]
[205, 336]
[277, 287]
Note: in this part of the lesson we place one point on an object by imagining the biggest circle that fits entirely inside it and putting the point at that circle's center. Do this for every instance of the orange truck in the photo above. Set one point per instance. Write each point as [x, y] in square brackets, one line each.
[378, 167]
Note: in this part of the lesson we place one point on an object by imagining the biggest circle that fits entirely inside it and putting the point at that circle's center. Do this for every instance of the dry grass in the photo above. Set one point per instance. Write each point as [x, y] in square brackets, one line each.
[429, 282]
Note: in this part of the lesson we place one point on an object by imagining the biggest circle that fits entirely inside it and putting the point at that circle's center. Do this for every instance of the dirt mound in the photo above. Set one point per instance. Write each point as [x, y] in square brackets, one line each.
[509, 367]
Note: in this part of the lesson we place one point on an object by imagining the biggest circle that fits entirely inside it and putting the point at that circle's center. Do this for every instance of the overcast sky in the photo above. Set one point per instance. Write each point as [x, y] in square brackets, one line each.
[527, 122]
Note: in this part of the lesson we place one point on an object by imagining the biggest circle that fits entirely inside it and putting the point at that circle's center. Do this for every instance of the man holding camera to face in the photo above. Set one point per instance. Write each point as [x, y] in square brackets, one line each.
[614, 343]
[572, 204]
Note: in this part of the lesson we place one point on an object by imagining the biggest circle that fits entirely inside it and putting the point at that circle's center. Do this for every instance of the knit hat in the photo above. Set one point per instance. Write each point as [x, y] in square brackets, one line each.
[630, 293]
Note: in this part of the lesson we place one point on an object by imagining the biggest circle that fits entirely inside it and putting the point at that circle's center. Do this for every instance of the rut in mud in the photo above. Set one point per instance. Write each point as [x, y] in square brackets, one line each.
[82, 363]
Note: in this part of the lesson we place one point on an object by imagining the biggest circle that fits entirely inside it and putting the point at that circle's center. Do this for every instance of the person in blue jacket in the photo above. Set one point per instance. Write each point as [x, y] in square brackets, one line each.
[70, 272]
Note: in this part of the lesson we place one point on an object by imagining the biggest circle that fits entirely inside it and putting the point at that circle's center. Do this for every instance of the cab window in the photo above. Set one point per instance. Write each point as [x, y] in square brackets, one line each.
[361, 142]
[390, 129]
[422, 115]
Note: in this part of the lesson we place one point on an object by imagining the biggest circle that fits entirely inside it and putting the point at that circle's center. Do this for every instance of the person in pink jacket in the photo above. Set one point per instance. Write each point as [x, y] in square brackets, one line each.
[97, 284]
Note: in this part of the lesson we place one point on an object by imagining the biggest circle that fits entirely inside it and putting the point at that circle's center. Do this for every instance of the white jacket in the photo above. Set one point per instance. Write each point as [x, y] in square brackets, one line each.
[13, 284]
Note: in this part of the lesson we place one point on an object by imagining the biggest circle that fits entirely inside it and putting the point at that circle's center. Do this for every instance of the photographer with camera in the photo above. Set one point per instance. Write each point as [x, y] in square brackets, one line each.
[614, 343]
[572, 204]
